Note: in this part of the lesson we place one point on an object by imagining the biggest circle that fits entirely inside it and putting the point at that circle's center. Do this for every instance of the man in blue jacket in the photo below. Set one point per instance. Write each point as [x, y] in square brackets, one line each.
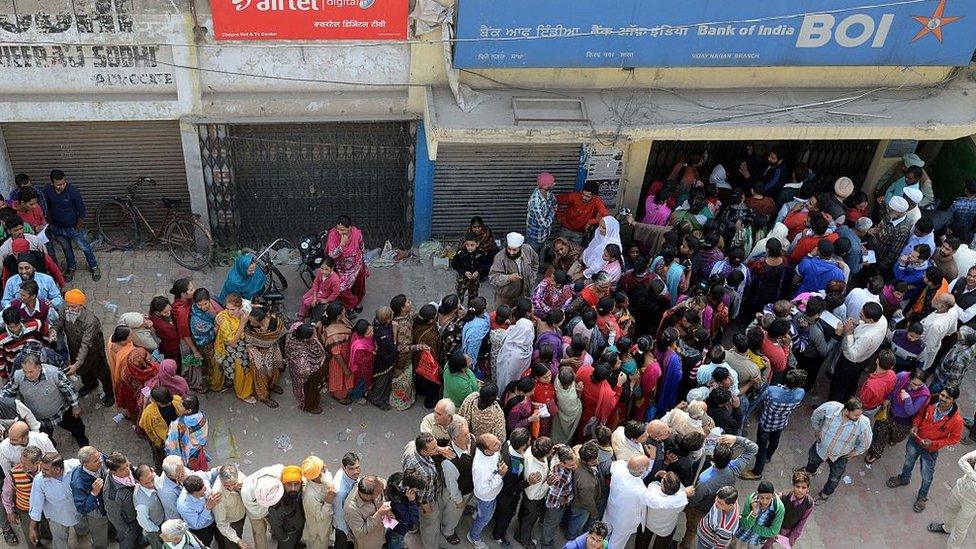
[67, 215]
[87, 482]
[816, 271]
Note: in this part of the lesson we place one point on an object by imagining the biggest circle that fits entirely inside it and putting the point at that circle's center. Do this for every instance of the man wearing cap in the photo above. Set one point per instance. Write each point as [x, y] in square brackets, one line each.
[909, 174]
[888, 238]
[579, 210]
[260, 491]
[834, 204]
[86, 345]
[542, 212]
[47, 288]
[317, 499]
[229, 511]
[287, 517]
[914, 198]
[513, 271]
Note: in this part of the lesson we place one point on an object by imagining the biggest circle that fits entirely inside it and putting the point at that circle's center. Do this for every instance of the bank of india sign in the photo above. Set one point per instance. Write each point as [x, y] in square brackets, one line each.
[662, 33]
[309, 19]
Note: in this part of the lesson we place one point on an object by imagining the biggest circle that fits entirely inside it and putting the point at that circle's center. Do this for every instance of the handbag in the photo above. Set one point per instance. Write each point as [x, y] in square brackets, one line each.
[428, 367]
[883, 411]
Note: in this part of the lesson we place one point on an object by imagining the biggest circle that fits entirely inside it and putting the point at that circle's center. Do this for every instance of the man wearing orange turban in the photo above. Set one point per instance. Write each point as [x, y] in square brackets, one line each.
[287, 517]
[317, 498]
[86, 345]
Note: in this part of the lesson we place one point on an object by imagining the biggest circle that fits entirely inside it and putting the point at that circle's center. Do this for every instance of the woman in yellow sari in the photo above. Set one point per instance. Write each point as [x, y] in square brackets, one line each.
[117, 351]
[230, 351]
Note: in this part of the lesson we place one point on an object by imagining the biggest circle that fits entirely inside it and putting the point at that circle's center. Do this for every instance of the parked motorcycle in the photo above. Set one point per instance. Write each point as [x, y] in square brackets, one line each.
[312, 253]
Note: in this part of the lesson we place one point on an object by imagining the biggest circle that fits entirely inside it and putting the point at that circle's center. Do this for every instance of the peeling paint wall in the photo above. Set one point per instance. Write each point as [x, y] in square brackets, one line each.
[138, 59]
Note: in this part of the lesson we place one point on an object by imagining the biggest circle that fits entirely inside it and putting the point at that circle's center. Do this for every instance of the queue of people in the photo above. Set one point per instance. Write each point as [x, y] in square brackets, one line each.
[627, 376]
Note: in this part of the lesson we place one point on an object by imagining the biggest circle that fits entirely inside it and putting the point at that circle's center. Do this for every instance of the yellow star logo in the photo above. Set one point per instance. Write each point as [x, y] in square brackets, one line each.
[934, 23]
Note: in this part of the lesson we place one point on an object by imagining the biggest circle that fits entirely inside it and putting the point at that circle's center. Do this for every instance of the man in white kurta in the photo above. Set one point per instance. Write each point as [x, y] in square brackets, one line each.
[937, 325]
[628, 496]
[662, 510]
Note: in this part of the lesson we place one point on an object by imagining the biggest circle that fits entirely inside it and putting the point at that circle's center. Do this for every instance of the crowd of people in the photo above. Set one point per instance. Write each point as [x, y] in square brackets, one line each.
[626, 377]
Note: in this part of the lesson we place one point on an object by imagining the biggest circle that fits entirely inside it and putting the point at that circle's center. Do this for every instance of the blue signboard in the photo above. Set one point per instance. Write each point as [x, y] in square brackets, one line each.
[713, 33]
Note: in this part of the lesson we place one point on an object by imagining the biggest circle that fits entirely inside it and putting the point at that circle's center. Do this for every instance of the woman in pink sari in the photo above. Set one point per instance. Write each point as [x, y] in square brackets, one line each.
[344, 244]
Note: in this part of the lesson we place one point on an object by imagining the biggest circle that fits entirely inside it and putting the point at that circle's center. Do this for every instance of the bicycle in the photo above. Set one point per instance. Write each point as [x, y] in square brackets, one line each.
[273, 294]
[186, 238]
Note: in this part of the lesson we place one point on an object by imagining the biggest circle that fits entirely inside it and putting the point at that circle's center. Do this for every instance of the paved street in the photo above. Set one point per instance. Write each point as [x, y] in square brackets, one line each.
[864, 513]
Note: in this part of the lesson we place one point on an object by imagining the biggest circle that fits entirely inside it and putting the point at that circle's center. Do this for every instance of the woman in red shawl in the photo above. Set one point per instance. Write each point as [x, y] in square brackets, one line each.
[137, 370]
[161, 316]
[599, 398]
[362, 353]
[344, 244]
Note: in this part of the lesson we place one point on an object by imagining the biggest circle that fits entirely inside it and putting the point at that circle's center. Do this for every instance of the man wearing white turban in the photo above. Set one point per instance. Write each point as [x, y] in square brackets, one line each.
[889, 237]
[259, 492]
[514, 270]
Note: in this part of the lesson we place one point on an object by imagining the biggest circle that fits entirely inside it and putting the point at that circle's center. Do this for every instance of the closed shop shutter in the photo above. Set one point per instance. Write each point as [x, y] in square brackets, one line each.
[102, 158]
[494, 182]
[289, 180]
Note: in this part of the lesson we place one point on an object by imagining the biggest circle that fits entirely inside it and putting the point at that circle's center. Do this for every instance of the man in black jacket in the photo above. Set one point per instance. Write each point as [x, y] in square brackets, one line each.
[513, 484]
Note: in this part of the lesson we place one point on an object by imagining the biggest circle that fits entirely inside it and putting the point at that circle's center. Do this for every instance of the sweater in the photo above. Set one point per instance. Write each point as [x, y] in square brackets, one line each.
[904, 411]
[484, 472]
[943, 432]
[748, 522]
[876, 387]
[65, 208]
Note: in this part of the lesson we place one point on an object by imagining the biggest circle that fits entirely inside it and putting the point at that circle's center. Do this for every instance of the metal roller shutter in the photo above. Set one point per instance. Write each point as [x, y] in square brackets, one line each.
[101, 158]
[495, 182]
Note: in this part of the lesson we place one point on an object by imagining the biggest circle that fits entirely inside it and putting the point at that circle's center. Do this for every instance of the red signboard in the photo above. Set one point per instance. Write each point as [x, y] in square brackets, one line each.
[309, 19]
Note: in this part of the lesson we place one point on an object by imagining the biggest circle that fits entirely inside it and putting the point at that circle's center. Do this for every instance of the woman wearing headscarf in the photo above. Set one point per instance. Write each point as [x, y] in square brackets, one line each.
[142, 330]
[486, 239]
[362, 354]
[483, 412]
[305, 357]
[771, 276]
[136, 372]
[245, 278]
[344, 244]
[778, 232]
[570, 407]
[230, 349]
[167, 377]
[671, 372]
[117, 351]
[161, 316]
[515, 354]
[594, 255]
[182, 292]
[261, 334]
[335, 333]
[550, 333]
[203, 328]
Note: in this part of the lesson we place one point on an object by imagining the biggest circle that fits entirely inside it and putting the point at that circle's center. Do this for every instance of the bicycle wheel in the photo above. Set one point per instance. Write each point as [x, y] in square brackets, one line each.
[189, 243]
[117, 224]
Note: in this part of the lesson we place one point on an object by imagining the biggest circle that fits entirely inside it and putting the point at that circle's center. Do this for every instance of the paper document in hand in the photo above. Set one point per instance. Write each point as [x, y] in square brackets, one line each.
[870, 257]
[830, 319]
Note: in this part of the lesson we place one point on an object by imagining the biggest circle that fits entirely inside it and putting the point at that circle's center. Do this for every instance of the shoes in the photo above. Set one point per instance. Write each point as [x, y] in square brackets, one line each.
[315, 410]
[453, 539]
[821, 498]
[503, 543]
[69, 273]
[85, 391]
[276, 390]
[895, 482]
[478, 544]
[968, 441]
[937, 528]
[385, 407]
[528, 544]
[919, 505]
[96, 274]
[108, 401]
[749, 475]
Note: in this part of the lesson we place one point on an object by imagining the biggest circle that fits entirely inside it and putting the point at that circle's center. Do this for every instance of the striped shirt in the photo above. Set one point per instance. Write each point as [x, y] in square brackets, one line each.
[23, 481]
[839, 435]
[716, 528]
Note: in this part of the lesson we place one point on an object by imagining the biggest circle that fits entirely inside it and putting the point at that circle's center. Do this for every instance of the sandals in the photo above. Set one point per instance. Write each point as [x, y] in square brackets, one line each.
[276, 389]
[937, 528]
[270, 403]
[315, 410]
[821, 498]
[919, 505]
[9, 536]
[871, 458]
